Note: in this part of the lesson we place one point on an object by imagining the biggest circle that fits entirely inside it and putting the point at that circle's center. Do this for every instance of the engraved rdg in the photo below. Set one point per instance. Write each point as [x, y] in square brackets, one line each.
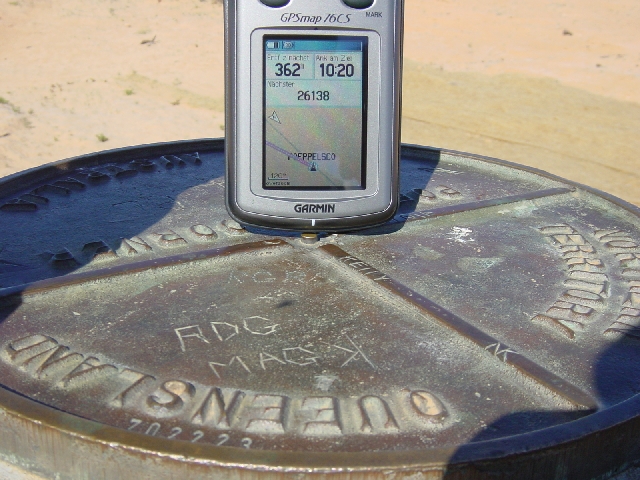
[193, 338]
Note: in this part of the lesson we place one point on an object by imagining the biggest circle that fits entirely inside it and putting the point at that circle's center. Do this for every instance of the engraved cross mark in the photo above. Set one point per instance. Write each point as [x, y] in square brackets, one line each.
[355, 351]
[500, 351]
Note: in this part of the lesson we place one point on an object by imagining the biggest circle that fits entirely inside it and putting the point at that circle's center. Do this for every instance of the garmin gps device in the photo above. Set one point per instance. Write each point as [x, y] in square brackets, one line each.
[312, 112]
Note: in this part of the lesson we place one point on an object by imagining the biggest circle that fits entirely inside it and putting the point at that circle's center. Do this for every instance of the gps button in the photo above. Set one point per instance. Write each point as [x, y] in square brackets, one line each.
[275, 3]
[358, 3]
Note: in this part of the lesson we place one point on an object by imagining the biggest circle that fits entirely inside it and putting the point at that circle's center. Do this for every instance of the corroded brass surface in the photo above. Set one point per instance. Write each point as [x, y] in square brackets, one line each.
[492, 327]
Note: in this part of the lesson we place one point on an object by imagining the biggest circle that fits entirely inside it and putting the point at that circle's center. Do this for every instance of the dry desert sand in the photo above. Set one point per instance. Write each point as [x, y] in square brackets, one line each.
[554, 84]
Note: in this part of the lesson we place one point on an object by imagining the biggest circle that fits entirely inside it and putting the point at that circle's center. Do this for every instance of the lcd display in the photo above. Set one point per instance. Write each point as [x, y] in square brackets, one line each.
[315, 91]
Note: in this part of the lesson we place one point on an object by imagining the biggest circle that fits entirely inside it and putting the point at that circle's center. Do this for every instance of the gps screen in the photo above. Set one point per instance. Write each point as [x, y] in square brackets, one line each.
[315, 90]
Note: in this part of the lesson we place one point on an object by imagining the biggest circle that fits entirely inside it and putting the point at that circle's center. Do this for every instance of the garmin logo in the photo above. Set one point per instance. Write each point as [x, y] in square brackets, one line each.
[315, 208]
[315, 19]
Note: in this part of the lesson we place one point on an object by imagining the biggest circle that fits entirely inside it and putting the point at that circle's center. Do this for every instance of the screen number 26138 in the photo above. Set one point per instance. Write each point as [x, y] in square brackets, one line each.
[319, 95]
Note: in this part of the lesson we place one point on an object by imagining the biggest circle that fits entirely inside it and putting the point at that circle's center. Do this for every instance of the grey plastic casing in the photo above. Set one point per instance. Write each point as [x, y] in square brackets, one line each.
[246, 23]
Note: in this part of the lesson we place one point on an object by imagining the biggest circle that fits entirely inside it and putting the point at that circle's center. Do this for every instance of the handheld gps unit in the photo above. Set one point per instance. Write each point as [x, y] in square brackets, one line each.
[312, 112]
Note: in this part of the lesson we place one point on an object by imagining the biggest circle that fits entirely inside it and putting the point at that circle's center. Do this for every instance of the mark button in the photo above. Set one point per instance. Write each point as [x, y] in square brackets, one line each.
[358, 3]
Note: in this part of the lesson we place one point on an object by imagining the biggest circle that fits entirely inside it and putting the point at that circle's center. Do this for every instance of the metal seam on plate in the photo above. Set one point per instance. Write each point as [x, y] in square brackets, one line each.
[487, 342]
[126, 269]
[466, 207]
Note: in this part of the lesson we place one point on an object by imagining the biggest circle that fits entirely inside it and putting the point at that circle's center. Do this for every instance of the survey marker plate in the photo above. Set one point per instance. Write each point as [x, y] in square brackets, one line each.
[492, 326]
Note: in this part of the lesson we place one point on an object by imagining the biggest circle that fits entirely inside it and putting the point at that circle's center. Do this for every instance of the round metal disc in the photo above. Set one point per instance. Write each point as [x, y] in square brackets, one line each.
[491, 329]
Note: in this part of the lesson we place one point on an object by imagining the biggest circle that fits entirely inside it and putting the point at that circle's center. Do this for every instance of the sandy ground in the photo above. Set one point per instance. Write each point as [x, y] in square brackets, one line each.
[553, 84]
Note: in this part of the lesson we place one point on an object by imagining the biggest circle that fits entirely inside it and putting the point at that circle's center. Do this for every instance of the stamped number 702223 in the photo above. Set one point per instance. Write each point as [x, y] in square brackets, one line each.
[177, 433]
